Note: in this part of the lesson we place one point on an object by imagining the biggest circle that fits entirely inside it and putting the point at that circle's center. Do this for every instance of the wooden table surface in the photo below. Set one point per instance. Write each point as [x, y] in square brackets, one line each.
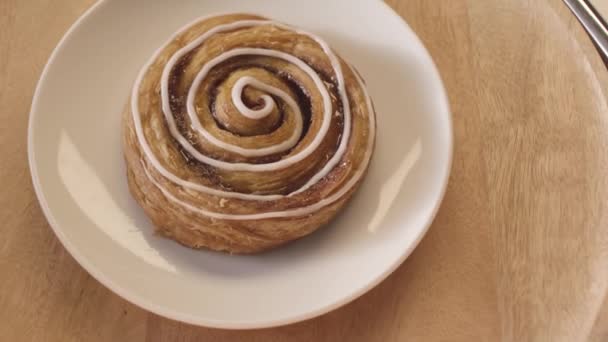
[601, 6]
[518, 252]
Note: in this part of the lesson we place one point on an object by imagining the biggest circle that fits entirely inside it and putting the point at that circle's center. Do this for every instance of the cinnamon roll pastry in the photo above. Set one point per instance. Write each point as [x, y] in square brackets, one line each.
[242, 134]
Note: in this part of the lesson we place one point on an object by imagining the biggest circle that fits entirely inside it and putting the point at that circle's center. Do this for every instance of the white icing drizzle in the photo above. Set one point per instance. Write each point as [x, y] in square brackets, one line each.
[284, 163]
[269, 105]
[238, 101]
[253, 114]
[298, 211]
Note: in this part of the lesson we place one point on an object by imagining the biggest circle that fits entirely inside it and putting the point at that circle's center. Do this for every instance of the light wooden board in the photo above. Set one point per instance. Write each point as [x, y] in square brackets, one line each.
[518, 252]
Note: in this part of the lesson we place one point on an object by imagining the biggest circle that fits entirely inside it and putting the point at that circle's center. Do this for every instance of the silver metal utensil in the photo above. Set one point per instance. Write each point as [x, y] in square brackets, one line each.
[593, 22]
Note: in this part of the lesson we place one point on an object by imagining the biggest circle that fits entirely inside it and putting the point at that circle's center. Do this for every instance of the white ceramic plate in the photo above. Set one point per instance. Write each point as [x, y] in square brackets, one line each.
[79, 173]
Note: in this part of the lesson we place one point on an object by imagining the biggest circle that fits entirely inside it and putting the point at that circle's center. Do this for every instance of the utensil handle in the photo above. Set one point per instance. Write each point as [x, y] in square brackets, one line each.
[593, 22]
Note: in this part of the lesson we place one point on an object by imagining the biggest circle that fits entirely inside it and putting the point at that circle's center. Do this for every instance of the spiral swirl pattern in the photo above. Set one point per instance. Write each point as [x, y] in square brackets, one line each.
[244, 121]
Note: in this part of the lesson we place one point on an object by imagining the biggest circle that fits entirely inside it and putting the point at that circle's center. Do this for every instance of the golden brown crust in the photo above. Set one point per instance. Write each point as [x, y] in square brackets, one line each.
[216, 113]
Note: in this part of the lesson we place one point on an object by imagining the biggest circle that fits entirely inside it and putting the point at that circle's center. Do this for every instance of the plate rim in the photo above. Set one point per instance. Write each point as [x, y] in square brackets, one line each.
[138, 301]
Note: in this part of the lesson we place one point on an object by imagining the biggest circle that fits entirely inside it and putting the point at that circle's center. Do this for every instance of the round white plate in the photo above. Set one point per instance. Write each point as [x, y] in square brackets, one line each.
[79, 173]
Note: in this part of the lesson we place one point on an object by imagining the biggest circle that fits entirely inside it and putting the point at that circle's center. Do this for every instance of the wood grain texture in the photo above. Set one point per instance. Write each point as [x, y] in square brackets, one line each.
[518, 252]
